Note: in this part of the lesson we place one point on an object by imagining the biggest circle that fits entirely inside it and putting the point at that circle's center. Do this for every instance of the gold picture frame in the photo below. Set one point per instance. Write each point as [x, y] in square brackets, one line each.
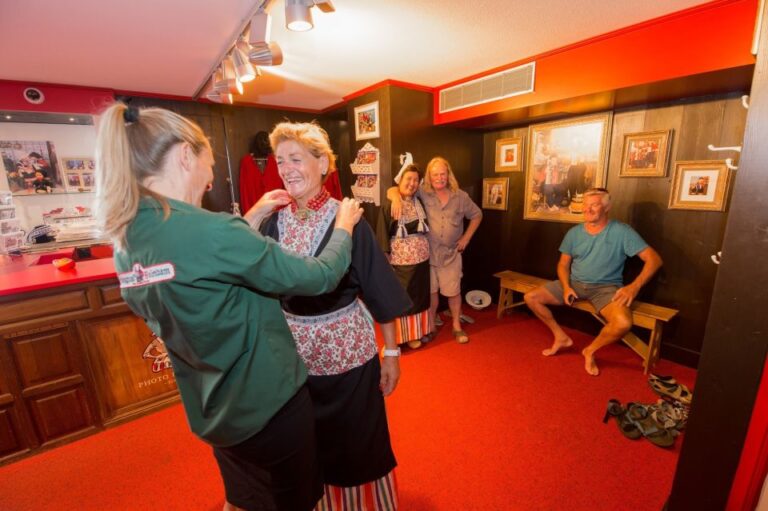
[509, 154]
[495, 193]
[645, 154]
[700, 185]
[367, 121]
[564, 159]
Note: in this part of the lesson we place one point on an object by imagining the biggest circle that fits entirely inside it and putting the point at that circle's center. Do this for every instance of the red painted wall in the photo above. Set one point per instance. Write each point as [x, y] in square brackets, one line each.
[712, 37]
[58, 98]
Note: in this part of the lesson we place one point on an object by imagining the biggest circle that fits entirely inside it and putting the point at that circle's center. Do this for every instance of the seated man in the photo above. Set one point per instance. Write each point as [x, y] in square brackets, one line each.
[591, 264]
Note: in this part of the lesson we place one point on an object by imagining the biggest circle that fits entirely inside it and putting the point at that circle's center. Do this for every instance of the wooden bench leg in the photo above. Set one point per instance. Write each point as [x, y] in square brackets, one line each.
[654, 346]
[504, 295]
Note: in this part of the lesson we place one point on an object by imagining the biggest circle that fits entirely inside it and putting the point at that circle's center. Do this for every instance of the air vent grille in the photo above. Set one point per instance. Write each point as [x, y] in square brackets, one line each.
[505, 84]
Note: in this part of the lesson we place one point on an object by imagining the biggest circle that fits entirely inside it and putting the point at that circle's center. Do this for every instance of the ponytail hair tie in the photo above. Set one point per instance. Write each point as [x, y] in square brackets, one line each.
[131, 114]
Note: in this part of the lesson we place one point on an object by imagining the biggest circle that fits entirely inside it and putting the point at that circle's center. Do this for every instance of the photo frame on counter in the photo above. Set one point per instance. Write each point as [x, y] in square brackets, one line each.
[700, 185]
[509, 154]
[645, 154]
[495, 193]
[565, 158]
[367, 121]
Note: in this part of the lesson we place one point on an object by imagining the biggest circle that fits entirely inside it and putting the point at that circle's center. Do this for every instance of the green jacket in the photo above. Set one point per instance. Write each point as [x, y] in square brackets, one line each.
[204, 282]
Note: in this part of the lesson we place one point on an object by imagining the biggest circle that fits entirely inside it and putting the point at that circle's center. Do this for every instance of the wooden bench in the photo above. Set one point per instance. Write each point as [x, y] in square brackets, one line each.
[644, 315]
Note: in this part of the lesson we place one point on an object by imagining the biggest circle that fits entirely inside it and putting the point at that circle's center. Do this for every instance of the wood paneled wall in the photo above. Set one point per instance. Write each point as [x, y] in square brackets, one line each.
[242, 123]
[685, 239]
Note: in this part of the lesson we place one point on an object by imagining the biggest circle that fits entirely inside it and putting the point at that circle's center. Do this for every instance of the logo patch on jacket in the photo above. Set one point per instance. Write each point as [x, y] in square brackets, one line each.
[141, 276]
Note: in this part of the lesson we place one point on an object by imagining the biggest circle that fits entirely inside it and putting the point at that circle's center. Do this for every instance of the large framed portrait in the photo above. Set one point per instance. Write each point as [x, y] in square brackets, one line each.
[565, 158]
[495, 193]
[700, 185]
[367, 122]
[509, 154]
[645, 154]
[31, 167]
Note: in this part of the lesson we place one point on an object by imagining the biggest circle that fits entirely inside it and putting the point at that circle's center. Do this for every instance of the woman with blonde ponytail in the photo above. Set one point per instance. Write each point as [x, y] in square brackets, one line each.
[203, 282]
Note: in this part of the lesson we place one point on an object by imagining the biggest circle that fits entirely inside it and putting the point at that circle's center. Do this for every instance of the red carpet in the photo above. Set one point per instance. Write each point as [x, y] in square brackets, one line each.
[491, 425]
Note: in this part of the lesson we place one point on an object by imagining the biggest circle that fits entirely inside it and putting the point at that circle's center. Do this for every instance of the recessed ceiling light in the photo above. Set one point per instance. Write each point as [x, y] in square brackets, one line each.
[9, 117]
[71, 119]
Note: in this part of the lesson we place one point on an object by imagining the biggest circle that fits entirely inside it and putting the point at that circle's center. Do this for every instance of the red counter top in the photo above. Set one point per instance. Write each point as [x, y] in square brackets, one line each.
[21, 274]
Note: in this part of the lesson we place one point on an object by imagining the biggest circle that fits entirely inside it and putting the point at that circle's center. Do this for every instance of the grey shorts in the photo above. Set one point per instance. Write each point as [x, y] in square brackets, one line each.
[599, 295]
[447, 278]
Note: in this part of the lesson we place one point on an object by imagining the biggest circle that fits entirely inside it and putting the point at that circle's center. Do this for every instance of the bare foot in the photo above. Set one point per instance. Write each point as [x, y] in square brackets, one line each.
[589, 363]
[557, 346]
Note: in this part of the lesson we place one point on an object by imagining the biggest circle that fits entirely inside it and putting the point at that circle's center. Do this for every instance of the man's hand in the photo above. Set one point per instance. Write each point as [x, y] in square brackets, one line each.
[569, 296]
[390, 374]
[625, 295]
[462, 244]
[393, 194]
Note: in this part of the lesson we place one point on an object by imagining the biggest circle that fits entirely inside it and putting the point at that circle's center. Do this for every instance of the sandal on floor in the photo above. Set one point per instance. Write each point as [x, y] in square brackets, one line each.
[676, 391]
[461, 336]
[414, 344]
[672, 417]
[655, 433]
[618, 412]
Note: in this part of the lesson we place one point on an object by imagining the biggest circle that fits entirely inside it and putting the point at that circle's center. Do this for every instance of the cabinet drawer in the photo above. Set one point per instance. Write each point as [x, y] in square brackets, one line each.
[31, 308]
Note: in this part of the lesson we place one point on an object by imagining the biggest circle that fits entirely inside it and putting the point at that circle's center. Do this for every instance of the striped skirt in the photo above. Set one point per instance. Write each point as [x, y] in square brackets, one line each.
[378, 495]
[413, 327]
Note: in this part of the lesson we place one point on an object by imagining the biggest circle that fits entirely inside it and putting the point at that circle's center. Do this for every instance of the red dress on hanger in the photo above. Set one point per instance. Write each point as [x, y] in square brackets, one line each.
[333, 185]
[254, 183]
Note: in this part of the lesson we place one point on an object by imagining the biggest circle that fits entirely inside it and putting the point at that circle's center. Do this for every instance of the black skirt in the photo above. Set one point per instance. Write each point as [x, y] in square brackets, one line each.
[353, 442]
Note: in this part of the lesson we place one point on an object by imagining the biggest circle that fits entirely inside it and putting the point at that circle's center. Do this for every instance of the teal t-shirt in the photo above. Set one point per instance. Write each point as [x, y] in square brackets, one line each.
[599, 259]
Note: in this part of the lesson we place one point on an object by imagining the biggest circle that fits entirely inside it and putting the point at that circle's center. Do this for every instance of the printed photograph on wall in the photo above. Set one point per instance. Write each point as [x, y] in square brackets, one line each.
[31, 167]
[700, 185]
[509, 154]
[79, 172]
[564, 159]
[367, 121]
[495, 193]
[645, 154]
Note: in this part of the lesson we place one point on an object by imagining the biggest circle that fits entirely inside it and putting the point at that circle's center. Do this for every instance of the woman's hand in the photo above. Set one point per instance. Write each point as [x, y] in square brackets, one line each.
[348, 215]
[390, 375]
[267, 204]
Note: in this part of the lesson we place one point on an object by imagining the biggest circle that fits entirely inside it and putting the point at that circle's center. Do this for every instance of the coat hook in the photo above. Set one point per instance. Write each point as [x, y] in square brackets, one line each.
[745, 101]
[712, 147]
[730, 165]
[716, 257]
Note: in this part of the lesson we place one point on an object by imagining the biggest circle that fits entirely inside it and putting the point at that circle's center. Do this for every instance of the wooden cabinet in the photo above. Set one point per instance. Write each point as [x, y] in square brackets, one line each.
[73, 361]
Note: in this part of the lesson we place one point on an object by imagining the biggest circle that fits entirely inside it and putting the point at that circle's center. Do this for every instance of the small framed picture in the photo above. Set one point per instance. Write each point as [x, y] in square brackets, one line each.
[6, 198]
[509, 154]
[9, 226]
[700, 185]
[78, 174]
[367, 122]
[495, 193]
[645, 154]
[7, 213]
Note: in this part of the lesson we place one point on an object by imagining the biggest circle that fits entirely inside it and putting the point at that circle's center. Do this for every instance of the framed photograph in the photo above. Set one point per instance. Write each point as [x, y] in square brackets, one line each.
[31, 167]
[78, 174]
[495, 193]
[367, 122]
[700, 185]
[509, 154]
[565, 158]
[645, 154]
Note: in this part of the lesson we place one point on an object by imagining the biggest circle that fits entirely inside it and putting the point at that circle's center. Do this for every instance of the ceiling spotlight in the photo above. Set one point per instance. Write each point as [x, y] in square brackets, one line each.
[227, 81]
[261, 26]
[9, 117]
[298, 17]
[266, 54]
[221, 97]
[243, 68]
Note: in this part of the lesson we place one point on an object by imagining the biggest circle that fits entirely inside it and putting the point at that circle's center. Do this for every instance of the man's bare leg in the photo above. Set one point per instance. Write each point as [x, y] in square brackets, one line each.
[537, 300]
[434, 300]
[231, 507]
[618, 322]
[454, 304]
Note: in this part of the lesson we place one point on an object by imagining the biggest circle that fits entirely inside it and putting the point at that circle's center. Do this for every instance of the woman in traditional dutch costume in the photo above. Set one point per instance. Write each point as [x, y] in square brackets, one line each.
[408, 248]
[334, 332]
